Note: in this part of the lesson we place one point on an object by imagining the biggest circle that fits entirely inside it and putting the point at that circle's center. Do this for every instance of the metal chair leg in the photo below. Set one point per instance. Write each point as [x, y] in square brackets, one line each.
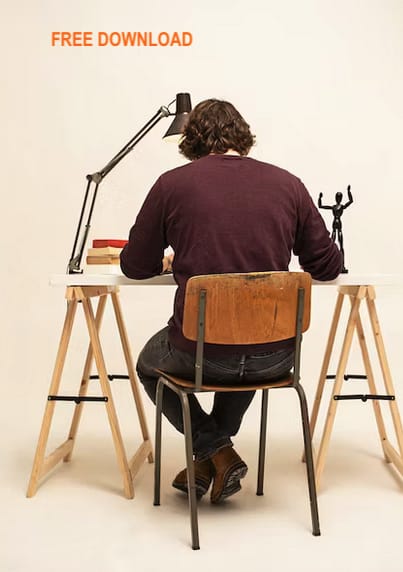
[309, 461]
[262, 442]
[187, 430]
[158, 429]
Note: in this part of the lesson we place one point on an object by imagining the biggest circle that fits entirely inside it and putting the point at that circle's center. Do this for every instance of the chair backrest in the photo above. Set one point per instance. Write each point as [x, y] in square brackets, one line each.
[247, 308]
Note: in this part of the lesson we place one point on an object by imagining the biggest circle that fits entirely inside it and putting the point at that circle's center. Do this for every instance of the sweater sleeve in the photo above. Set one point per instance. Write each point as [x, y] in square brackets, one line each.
[317, 252]
[142, 256]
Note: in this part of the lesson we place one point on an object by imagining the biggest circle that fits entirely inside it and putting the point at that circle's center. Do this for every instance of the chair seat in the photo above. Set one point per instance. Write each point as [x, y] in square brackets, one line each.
[186, 384]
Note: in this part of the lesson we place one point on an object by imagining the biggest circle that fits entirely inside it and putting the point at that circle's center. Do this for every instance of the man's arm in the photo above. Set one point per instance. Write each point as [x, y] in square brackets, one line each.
[142, 257]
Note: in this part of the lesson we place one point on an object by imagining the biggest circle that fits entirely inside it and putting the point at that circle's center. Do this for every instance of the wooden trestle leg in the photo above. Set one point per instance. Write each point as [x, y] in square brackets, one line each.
[42, 465]
[354, 324]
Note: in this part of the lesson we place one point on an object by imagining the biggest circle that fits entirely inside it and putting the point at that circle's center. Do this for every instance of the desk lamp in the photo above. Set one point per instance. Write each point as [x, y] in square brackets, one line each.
[183, 108]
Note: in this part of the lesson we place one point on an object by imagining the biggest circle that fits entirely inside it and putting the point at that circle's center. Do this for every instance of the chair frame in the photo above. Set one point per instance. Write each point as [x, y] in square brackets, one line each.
[293, 381]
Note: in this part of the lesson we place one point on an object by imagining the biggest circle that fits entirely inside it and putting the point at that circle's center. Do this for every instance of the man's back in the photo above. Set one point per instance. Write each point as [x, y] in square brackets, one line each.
[227, 213]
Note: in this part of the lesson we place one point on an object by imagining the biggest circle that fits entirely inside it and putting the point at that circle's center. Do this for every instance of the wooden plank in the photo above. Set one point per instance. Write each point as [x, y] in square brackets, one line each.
[78, 409]
[110, 408]
[55, 457]
[130, 369]
[247, 308]
[371, 384]
[139, 457]
[387, 377]
[53, 390]
[394, 456]
[348, 290]
[326, 360]
[82, 292]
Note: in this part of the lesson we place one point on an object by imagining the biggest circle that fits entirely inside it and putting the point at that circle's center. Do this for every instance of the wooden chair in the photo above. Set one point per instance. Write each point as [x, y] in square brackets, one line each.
[252, 308]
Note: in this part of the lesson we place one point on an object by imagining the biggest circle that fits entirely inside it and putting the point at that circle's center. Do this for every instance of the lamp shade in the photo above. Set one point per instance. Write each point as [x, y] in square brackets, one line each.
[183, 108]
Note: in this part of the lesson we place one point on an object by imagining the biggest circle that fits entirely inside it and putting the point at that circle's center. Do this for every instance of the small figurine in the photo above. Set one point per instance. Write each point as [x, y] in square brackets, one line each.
[338, 209]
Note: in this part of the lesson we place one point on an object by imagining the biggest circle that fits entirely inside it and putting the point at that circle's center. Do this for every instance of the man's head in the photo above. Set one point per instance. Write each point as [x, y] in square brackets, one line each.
[339, 196]
[215, 126]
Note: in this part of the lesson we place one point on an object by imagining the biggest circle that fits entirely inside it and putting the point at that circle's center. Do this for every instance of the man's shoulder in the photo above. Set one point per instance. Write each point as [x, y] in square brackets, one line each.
[256, 166]
[273, 169]
[176, 172]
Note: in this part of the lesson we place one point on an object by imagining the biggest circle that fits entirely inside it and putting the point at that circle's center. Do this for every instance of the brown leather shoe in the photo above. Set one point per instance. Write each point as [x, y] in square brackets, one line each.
[203, 475]
[229, 470]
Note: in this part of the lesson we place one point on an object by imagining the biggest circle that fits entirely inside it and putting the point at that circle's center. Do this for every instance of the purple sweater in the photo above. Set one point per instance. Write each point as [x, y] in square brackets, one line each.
[225, 213]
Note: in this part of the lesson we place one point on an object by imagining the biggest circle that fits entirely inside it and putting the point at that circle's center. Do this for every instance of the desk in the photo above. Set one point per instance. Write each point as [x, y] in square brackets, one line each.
[82, 288]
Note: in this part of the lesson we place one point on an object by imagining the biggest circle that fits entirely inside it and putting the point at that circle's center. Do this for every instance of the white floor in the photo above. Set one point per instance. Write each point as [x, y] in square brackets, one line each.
[79, 519]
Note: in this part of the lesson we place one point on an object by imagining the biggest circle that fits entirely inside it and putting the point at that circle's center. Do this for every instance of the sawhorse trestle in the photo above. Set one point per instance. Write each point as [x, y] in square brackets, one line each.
[43, 464]
[356, 295]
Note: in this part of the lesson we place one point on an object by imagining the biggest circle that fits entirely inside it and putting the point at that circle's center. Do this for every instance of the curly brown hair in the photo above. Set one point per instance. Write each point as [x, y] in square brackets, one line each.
[215, 126]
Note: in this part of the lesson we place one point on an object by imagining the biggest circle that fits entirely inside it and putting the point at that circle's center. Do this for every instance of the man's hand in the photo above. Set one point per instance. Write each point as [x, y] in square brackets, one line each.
[167, 263]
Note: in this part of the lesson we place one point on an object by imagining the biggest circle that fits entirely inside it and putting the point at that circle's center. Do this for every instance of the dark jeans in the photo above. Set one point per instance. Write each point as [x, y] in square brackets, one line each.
[211, 431]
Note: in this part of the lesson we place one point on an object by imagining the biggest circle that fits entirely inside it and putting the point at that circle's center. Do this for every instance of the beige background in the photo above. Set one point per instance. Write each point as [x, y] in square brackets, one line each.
[321, 84]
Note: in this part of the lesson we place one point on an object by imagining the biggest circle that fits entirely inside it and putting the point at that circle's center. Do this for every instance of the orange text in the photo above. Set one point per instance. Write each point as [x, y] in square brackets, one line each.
[137, 39]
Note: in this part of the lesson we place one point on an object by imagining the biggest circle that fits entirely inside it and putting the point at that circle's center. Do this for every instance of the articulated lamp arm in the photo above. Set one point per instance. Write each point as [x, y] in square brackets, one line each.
[183, 107]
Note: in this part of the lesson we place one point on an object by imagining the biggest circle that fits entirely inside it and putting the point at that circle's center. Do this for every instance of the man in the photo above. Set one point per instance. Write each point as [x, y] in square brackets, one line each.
[223, 212]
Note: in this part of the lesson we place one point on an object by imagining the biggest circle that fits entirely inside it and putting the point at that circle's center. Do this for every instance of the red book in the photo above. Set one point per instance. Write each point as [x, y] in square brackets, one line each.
[102, 242]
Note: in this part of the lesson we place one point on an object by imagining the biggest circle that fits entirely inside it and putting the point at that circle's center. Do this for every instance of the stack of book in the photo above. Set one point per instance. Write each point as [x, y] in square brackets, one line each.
[105, 251]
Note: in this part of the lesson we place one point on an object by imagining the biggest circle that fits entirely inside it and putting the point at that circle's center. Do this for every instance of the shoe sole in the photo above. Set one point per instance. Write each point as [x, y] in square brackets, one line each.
[232, 484]
[200, 488]
[228, 491]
